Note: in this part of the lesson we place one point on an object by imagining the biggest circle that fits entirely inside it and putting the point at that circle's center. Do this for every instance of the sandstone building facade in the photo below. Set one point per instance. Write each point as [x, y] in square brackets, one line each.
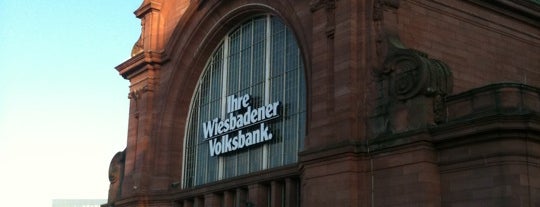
[332, 103]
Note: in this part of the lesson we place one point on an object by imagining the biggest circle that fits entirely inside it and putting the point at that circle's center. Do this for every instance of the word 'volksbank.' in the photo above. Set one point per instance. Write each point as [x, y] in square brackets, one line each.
[239, 123]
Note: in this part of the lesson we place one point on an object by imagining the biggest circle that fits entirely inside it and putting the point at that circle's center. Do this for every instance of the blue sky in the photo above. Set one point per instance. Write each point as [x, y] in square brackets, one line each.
[63, 106]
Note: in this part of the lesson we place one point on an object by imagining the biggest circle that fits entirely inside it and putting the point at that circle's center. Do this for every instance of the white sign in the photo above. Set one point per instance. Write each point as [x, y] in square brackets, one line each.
[239, 123]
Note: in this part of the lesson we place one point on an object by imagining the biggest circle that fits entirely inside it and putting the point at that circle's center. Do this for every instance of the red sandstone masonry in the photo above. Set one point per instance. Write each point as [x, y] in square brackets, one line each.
[480, 47]
[436, 29]
[411, 177]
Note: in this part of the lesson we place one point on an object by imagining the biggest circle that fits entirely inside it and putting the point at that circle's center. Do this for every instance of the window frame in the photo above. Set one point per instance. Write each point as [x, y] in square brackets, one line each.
[225, 51]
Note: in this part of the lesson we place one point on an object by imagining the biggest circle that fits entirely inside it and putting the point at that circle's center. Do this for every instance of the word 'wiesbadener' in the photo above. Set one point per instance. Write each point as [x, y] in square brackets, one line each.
[238, 122]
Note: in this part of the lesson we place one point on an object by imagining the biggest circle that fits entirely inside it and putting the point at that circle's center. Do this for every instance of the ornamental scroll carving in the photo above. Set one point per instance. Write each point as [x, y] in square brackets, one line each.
[411, 73]
[406, 72]
[411, 89]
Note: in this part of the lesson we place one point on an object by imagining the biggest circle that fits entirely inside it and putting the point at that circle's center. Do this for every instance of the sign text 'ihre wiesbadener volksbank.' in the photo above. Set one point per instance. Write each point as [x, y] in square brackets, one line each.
[239, 123]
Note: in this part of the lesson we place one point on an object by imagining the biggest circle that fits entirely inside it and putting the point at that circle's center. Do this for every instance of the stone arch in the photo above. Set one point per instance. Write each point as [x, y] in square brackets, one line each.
[190, 45]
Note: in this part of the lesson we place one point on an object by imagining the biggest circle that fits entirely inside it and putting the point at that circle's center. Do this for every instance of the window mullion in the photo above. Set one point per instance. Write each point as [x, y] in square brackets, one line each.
[267, 81]
[267, 61]
[284, 127]
[224, 77]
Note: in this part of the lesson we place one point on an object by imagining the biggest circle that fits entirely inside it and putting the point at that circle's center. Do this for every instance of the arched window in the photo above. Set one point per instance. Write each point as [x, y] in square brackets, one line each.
[249, 109]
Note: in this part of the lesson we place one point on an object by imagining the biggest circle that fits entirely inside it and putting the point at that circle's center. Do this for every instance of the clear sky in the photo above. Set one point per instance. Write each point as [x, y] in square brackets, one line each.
[63, 106]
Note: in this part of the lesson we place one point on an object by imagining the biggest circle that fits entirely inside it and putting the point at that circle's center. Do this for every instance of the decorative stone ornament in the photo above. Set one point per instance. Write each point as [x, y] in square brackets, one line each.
[412, 88]
[116, 177]
[412, 73]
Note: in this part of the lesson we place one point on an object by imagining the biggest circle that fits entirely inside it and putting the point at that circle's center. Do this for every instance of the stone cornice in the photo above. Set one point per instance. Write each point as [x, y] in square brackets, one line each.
[129, 65]
[147, 7]
[493, 87]
[138, 64]
[488, 127]
[499, 98]
[337, 150]
[492, 112]
[524, 10]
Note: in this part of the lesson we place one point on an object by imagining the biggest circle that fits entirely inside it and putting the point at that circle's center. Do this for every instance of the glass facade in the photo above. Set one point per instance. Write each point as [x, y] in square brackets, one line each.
[259, 58]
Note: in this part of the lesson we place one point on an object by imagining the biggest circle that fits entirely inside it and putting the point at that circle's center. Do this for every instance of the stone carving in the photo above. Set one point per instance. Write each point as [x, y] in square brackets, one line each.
[136, 93]
[137, 47]
[412, 88]
[412, 73]
[116, 176]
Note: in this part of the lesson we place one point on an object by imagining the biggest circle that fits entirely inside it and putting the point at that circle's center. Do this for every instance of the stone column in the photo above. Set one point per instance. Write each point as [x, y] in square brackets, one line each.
[258, 195]
[276, 194]
[241, 197]
[228, 199]
[187, 203]
[291, 192]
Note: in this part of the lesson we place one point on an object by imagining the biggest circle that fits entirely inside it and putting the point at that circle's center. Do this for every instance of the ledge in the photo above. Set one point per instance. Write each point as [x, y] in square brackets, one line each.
[138, 63]
[493, 112]
[172, 195]
[147, 7]
[523, 10]
[494, 99]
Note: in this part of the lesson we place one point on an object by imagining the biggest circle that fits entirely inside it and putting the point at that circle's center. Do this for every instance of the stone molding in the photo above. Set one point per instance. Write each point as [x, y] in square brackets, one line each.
[493, 99]
[495, 111]
[136, 94]
[524, 10]
[147, 7]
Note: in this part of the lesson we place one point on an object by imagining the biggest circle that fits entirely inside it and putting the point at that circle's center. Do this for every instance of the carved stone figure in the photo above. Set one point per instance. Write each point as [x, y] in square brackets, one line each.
[116, 175]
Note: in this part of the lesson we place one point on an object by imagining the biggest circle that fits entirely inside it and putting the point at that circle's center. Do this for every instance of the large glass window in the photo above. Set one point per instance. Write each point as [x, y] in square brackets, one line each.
[255, 72]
